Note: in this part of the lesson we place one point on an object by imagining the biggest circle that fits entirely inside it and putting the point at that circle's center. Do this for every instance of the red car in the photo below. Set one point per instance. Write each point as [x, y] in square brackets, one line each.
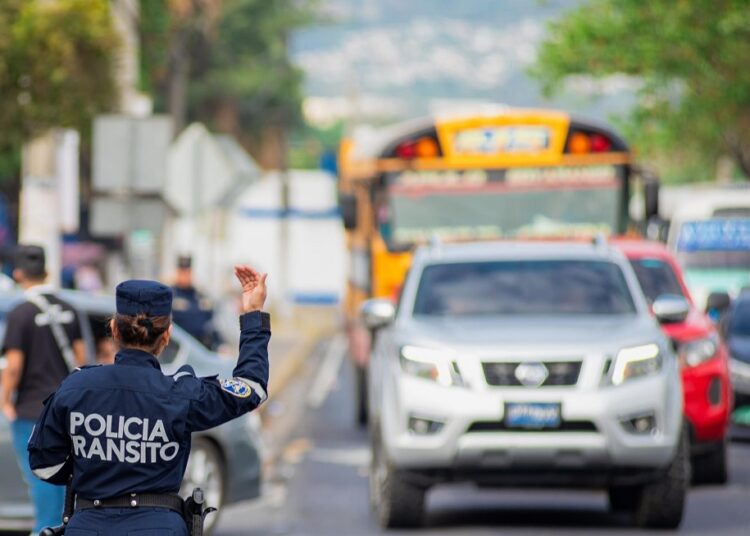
[704, 359]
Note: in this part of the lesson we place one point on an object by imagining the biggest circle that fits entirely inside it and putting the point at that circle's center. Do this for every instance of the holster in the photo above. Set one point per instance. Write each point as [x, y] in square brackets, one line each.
[68, 509]
[195, 513]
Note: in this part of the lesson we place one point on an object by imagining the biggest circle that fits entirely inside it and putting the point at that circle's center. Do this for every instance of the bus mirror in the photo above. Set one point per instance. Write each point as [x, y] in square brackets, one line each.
[651, 197]
[348, 207]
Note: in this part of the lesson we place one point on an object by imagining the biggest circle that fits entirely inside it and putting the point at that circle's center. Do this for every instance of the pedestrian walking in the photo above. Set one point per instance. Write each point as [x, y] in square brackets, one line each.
[120, 434]
[42, 344]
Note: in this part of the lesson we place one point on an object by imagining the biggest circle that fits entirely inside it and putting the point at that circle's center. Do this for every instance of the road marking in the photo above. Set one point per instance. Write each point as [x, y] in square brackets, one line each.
[329, 371]
[356, 457]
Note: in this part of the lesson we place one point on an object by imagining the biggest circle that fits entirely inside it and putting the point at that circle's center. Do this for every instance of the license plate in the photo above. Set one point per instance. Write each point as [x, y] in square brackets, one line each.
[532, 415]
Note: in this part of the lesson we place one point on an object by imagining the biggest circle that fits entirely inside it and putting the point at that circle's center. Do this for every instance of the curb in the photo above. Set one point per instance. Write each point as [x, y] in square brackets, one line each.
[285, 372]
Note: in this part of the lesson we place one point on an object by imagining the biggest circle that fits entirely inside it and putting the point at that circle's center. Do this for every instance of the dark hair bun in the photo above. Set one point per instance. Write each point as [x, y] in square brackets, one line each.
[141, 331]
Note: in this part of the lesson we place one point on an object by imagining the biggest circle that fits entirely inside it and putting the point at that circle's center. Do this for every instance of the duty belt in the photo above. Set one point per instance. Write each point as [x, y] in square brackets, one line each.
[135, 500]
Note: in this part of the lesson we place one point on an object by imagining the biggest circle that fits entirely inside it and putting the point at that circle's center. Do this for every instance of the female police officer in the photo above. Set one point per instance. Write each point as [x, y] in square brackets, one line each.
[123, 431]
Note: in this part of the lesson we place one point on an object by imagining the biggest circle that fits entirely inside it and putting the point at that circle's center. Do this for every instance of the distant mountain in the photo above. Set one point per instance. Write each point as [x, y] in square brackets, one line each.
[404, 57]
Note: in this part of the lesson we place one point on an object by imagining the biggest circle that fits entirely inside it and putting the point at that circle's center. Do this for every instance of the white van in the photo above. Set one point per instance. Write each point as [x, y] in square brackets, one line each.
[710, 236]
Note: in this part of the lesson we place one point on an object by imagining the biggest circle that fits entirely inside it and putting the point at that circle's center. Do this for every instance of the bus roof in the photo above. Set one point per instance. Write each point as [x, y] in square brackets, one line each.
[370, 142]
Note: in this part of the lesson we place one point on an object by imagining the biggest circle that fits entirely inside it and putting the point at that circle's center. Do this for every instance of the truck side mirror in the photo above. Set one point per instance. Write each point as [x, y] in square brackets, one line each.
[670, 308]
[377, 313]
[717, 304]
[348, 207]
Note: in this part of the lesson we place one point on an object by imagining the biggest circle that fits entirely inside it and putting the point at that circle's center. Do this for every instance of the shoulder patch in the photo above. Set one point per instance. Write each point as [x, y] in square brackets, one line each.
[236, 387]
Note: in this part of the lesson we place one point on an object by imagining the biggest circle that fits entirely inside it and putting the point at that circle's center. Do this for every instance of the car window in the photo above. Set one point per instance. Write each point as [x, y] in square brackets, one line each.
[535, 287]
[170, 352]
[656, 278]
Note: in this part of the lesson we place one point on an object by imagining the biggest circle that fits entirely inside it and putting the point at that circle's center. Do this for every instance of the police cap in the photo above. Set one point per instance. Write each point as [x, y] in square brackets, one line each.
[142, 296]
[30, 259]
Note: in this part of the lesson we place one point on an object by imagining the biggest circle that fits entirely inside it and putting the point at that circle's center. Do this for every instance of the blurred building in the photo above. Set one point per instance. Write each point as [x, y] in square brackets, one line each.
[313, 266]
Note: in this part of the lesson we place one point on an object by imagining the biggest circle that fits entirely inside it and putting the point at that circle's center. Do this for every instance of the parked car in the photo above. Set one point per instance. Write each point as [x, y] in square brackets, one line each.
[224, 461]
[513, 364]
[703, 358]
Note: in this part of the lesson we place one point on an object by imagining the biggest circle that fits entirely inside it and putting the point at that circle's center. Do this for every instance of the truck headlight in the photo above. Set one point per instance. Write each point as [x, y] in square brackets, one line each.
[430, 364]
[636, 362]
[698, 351]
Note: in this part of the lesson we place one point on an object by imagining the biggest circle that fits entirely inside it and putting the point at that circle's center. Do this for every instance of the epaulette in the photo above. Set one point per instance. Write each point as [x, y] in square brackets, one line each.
[84, 367]
[183, 371]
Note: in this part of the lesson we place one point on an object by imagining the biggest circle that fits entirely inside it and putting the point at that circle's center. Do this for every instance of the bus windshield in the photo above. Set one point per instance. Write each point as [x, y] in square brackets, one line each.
[721, 243]
[510, 203]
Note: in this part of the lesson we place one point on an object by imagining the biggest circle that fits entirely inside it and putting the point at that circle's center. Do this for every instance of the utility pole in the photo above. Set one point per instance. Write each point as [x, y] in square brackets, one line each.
[285, 307]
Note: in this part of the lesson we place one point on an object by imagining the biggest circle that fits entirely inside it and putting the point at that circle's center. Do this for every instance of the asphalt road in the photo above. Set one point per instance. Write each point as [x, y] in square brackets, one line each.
[320, 484]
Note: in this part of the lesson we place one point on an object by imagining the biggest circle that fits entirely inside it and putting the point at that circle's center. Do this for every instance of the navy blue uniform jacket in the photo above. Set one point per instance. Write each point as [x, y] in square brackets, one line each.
[126, 428]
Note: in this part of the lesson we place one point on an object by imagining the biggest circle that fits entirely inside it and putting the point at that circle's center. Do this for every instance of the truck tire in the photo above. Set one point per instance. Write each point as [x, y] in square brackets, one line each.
[711, 468]
[396, 502]
[360, 395]
[660, 504]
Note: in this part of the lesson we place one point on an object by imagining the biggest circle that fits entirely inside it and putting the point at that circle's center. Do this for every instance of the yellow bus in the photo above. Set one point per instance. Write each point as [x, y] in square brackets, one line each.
[509, 174]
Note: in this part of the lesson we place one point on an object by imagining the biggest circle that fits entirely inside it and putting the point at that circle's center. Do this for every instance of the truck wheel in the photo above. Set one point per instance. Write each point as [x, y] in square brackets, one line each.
[360, 394]
[397, 503]
[711, 468]
[660, 504]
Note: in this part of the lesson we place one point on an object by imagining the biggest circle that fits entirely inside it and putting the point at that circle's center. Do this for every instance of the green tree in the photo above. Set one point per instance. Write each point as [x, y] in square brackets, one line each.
[691, 58]
[228, 65]
[56, 69]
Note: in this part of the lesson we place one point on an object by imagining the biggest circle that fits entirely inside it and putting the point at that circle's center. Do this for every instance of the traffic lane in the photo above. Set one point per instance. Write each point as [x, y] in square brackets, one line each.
[326, 492]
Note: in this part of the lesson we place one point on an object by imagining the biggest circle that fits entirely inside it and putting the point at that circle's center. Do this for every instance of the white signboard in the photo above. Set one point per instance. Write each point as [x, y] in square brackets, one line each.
[130, 153]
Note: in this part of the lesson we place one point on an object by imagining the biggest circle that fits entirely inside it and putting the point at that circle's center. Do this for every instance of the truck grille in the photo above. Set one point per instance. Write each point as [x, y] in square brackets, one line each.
[561, 373]
[565, 426]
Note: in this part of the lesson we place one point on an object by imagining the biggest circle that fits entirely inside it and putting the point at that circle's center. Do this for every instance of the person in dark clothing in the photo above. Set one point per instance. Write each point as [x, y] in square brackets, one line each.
[42, 344]
[191, 310]
[123, 431]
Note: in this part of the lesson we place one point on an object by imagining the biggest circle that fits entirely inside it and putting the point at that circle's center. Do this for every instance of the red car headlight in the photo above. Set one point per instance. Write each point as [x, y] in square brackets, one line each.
[698, 351]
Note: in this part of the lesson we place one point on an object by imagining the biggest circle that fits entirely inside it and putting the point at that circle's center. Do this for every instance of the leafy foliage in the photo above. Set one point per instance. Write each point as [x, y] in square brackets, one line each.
[249, 62]
[225, 62]
[691, 57]
[56, 68]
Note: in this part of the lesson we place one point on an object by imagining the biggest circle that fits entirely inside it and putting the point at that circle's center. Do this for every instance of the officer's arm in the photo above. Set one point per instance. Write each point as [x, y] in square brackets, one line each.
[50, 456]
[216, 401]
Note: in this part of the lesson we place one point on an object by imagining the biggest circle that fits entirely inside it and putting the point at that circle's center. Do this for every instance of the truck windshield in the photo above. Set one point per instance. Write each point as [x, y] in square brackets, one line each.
[531, 287]
[656, 278]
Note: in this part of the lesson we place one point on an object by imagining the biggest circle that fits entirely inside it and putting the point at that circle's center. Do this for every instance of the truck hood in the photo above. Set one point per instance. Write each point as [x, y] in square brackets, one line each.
[576, 334]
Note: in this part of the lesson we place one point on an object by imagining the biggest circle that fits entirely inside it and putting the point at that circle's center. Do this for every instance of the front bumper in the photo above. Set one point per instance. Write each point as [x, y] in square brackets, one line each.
[459, 446]
[708, 399]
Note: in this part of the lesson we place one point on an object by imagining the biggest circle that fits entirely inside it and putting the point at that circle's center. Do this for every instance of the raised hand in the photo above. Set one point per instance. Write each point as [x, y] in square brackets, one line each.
[253, 288]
